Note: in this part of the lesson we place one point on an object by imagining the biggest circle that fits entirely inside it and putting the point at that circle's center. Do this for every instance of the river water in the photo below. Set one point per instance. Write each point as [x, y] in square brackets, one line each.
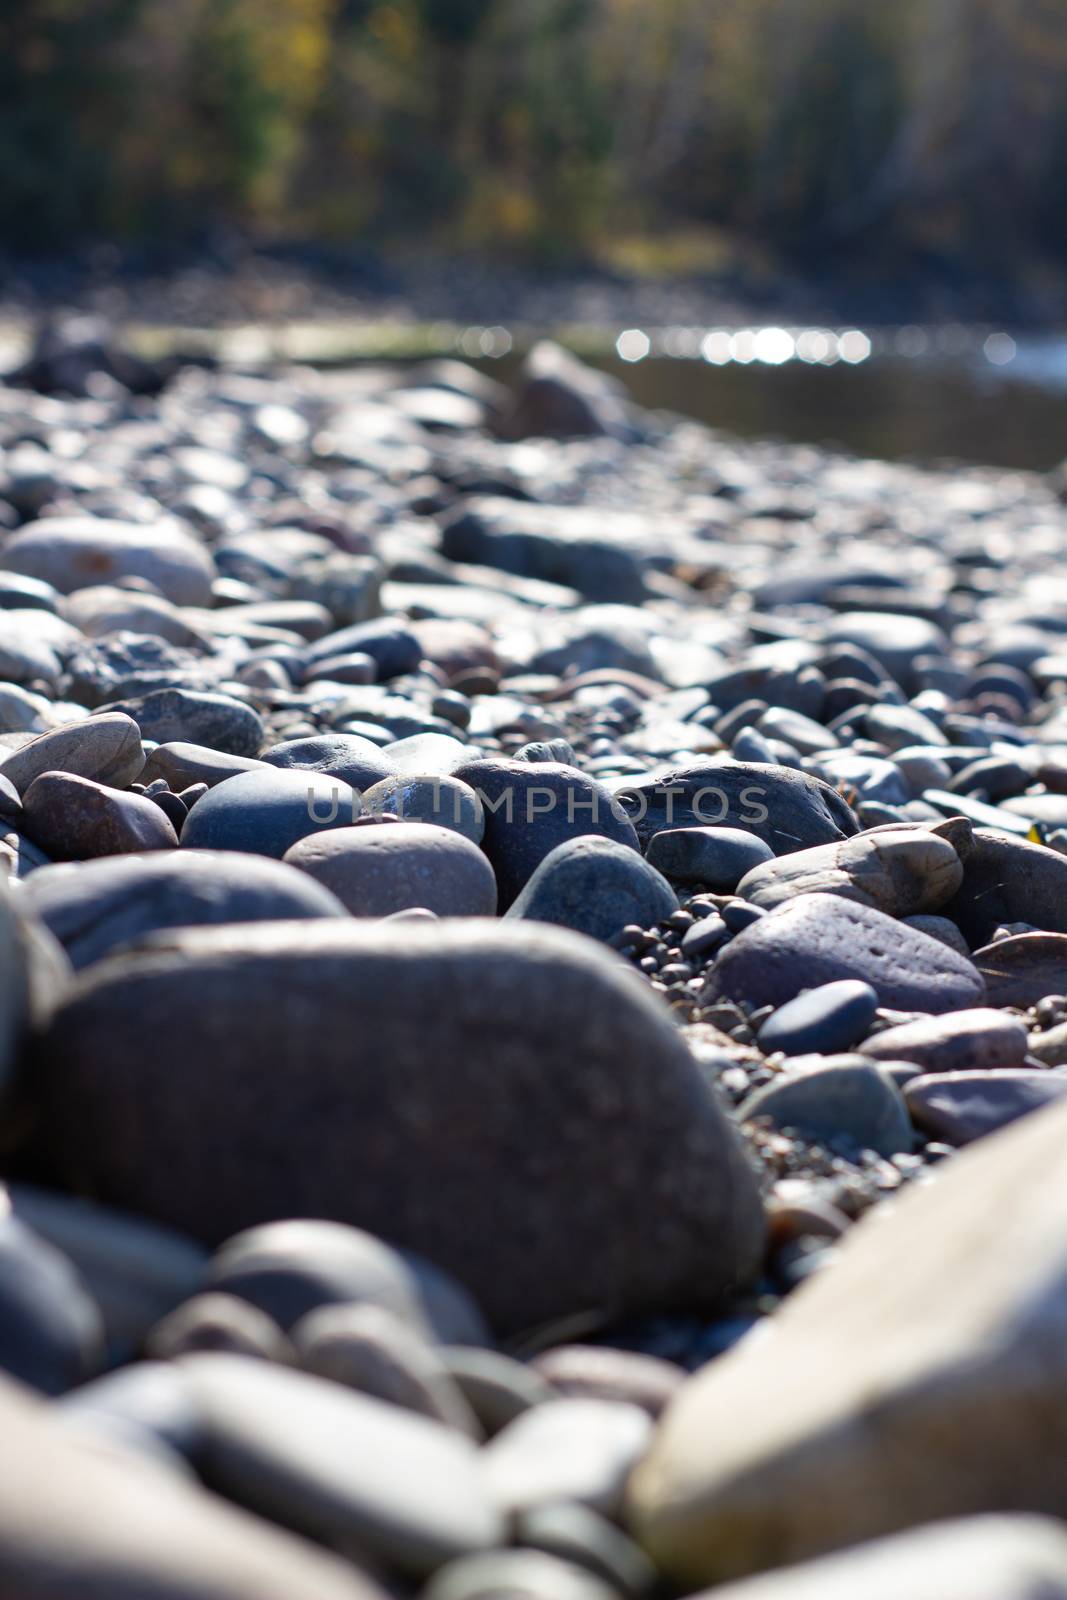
[956, 394]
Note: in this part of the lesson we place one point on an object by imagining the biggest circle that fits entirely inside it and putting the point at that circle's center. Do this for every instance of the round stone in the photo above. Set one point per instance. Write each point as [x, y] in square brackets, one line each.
[444, 801]
[375, 872]
[715, 857]
[79, 552]
[347, 756]
[267, 812]
[73, 819]
[833, 1017]
[596, 887]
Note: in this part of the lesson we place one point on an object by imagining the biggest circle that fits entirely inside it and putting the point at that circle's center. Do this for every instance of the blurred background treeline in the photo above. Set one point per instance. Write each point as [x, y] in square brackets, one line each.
[811, 131]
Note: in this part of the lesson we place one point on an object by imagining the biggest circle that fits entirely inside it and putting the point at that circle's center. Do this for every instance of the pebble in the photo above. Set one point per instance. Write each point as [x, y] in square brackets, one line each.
[291, 1269]
[75, 819]
[836, 1098]
[266, 812]
[77, 552]
[717, 858]
[370, 1349]
[519, 1574]
[51, 1330]
[818, 938]
[219, 1322]
[444, 801]
[579, 1450]
[598, 1372]
[531, 808]
[135, 1272]
[960, 1107]
[595, 887]
[787, 810]
[824, 1020]
[576, 1534]
[965, 1041]
[378, 871]
[353, 760]
[1022, 969]
[372, 1479]
[195, 717]
[74, 1519]
[497, 1388]
[899, 871]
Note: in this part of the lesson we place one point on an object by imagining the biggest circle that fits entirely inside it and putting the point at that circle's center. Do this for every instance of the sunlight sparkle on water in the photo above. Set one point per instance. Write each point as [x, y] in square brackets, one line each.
[633, 345]
[1000, 349]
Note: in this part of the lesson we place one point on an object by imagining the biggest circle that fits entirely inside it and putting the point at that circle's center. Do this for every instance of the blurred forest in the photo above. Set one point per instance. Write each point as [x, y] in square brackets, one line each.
[543, 128]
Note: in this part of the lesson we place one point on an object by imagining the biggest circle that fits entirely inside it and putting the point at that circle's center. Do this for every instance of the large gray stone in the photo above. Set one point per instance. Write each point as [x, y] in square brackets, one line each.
[919, 1378]
[453, 1088]
[1009, 880]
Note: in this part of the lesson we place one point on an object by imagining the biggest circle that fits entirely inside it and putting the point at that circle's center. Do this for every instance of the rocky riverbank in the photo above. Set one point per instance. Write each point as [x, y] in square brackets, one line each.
[535, 998]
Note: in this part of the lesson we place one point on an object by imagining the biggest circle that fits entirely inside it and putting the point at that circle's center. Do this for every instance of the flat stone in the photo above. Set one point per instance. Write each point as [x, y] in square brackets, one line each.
[596, 887]
[98, 906]
[1006, 1557]
[370, 1349]
[376, 871]
[195, 717]
[832, 1017]
[530, 808]
[717, 857]
[73, 819]
[79, 552]
[787, 810]
[964, 1041]
[265, 813]
[134, 1270]
[898, 871]
[959, 1107]
[291, 1269]
[105, 748]
[392, 646]
[75, 1520]
[365, 1477]
[819, 938]
[346, 756]
[843, 1099]
[918, 1379]
[1022, 970]
[673, 1218]
[568, 1450]
[147, 1403]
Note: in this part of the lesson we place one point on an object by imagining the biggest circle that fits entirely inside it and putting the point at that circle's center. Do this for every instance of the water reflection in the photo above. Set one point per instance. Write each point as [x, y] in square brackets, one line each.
[949, 392]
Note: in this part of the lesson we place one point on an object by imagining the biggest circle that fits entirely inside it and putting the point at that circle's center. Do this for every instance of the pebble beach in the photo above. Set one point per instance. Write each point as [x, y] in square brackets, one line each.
[533, 1042]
